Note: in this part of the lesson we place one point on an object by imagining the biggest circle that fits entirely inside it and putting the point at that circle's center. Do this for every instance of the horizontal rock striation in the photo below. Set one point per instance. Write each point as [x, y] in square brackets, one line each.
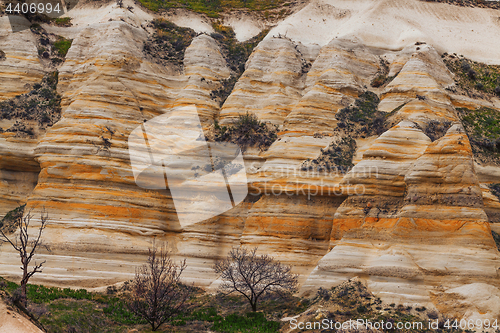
[411, 217]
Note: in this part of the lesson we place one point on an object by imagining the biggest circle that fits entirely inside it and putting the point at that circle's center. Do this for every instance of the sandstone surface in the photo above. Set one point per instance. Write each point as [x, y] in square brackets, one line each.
[411, 218]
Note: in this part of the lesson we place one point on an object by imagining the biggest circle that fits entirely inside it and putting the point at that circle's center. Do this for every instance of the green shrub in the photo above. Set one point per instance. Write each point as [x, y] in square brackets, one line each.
[42, 104]
[483, 128]
[474, 77]
[8, 223]
[247, 132]
[62, 46]
[40, 294]
[236, 55]
[169, 42]
[62, 21]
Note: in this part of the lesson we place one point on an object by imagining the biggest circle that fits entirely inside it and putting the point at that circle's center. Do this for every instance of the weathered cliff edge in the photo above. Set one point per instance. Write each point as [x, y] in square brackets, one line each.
[419, 230]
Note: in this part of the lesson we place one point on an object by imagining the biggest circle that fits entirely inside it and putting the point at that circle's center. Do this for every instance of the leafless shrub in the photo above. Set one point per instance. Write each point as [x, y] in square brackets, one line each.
[253, 276]
[37, 310]
[27, 247]
[157, 292]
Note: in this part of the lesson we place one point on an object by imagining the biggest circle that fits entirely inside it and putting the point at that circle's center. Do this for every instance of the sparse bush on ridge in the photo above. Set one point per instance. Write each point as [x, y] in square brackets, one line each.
[247, 131]
[382, 77]
[436, 129]
[169, 42]
[360, 119]
[236, 55]
[474, 78]
[41, 106]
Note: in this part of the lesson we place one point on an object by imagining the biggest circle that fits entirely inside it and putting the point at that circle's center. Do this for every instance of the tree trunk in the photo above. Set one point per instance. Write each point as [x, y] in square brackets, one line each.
[24, 299]
[254, 306]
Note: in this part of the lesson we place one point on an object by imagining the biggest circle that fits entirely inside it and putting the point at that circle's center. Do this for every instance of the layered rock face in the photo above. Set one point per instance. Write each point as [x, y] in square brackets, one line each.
[411, 217]
[20, 69]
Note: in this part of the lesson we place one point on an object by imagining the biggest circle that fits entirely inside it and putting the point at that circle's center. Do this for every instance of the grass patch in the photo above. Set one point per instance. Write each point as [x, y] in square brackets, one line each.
[68, 315]
[251, 323]
[247, 132]
[474, 77]
[62, 45]
[213, 8]
[483, 129]
[234, 322]
[169, 42]
[382, 77]
[42, 105]
[62, 21]
[63, 310]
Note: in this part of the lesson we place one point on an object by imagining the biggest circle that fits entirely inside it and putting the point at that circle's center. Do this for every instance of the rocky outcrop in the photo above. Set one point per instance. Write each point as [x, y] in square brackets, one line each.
[440, 229]
[271, 84]
[20, 69]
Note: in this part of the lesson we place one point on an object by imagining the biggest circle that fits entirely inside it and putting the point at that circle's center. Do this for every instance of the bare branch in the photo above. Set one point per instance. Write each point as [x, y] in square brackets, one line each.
[26, 247]
[252, 276]
[158, 293]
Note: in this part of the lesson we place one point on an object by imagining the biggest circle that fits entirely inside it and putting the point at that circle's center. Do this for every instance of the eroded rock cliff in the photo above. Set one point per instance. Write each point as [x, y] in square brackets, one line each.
[411, 217]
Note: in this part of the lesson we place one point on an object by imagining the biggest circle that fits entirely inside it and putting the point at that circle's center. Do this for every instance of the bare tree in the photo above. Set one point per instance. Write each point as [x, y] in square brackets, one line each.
[157, 292]
[253, 276]
[27, 247]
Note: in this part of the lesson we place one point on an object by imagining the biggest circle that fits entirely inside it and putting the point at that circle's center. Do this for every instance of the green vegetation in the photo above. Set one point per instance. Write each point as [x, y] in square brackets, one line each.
[382, 77]
[62, 45]
[38, 18]
[51, 46]
[360, 119]
[169, 42]
[213, 8]
[62, 21]
[337, 157]
[236, 55]
[483, 129]
[64, 310]
[7, 224]
[474, 77]
[69, 310]
[363, 112]
[251, 323]
[40, 107]
[436, 129]
[247, 131]
[380, 80]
